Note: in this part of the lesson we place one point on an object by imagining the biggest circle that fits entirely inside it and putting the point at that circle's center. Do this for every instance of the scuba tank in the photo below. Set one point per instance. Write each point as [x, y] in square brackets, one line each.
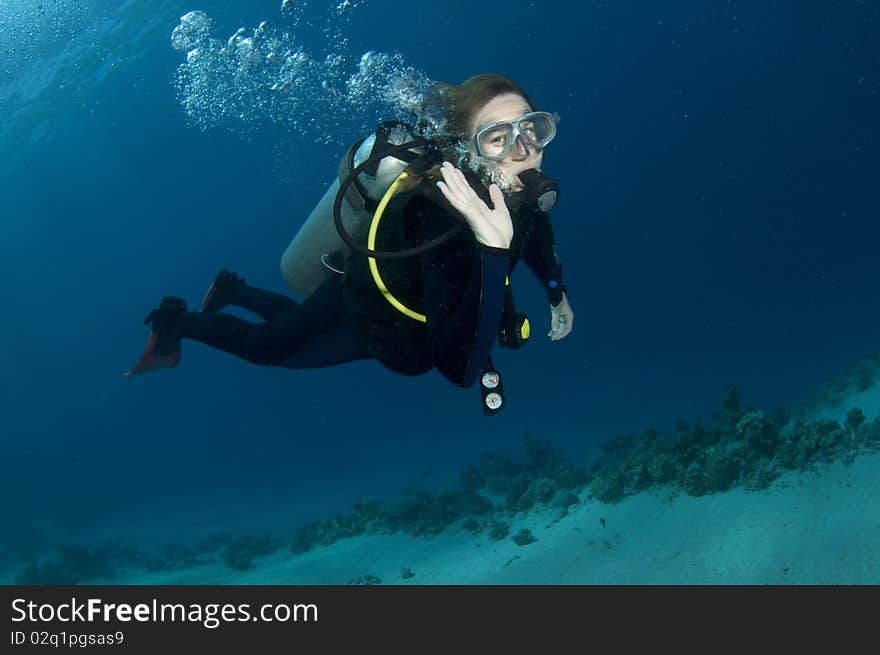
[306, 263]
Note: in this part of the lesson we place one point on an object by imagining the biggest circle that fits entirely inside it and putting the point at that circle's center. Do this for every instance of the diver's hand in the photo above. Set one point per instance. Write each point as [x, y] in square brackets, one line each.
[561, 320]
[492, 227]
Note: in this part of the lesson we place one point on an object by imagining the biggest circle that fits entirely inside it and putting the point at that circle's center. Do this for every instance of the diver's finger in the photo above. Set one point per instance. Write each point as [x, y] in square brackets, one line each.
[454, 198]
[455, 176]
[449, 180]
[497, 196]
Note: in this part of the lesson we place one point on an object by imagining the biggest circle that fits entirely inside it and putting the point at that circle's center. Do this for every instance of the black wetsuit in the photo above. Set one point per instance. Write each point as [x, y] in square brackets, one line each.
[459, 287]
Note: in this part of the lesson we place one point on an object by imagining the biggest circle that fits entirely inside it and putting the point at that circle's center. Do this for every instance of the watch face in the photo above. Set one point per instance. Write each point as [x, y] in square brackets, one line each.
[494, 400]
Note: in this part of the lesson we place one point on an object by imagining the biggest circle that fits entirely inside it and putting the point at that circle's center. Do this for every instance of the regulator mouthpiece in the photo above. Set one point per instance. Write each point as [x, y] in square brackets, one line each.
[543, 191]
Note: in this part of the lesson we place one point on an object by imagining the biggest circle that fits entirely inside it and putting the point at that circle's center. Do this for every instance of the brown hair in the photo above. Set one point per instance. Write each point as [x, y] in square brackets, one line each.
[461, 103]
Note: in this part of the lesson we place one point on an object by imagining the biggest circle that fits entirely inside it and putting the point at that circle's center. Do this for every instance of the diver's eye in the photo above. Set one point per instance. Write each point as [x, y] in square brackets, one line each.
[499, 141]
[528, 130]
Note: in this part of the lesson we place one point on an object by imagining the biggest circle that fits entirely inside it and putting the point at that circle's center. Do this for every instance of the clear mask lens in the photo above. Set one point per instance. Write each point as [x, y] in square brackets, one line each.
[536, 130]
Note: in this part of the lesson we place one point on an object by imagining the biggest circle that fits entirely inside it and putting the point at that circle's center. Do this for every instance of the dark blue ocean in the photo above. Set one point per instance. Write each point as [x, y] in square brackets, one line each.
[718, 224]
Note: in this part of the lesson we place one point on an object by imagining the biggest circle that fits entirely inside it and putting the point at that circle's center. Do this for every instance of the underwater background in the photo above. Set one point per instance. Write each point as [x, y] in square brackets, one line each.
[717, 225]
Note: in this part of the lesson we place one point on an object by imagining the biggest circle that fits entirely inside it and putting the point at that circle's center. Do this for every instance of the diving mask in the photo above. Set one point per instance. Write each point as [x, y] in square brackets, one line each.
[536, 129]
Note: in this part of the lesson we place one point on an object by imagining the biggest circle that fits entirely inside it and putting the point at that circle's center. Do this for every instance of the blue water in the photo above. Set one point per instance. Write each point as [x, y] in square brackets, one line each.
[718, 224]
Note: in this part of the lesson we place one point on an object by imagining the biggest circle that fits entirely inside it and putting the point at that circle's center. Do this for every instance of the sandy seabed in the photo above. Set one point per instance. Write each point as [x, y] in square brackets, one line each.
[807, 528]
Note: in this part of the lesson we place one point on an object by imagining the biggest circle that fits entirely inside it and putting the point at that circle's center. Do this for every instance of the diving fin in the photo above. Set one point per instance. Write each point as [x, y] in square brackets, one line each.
[151, 360]
[163, 345]
[219, 293]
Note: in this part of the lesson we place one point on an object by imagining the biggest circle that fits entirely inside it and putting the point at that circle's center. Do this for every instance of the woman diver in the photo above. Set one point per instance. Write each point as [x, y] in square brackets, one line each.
[439, 304]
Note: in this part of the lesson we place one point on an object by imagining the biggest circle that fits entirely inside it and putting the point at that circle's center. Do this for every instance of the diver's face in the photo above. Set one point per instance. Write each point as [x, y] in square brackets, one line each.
[509, 107]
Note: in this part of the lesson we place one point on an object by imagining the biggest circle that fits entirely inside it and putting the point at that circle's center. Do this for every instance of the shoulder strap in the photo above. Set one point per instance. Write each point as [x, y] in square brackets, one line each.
[389, 133]
[356, 195]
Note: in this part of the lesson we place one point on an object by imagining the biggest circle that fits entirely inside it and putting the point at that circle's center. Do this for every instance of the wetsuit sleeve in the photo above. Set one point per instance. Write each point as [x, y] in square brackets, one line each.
[540, 256]
[463, 287]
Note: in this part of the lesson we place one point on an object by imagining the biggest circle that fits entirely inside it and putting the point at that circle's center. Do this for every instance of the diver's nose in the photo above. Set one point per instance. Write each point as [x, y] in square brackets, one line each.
[520, 150]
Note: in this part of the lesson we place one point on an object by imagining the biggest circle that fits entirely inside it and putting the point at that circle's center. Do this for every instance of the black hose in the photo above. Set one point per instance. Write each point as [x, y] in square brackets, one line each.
[340, 197]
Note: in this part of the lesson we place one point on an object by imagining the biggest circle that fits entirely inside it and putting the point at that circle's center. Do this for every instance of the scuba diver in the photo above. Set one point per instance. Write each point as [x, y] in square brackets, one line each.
[406, 258]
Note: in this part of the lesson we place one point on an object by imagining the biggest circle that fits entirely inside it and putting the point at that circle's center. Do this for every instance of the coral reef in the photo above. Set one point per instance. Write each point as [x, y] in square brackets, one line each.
[498, 530]
[75, 563]
[523, 486]
[609, 486]
[741, 447]
[414, 511]
[240, 553]
[524, 537]
[859, 376]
